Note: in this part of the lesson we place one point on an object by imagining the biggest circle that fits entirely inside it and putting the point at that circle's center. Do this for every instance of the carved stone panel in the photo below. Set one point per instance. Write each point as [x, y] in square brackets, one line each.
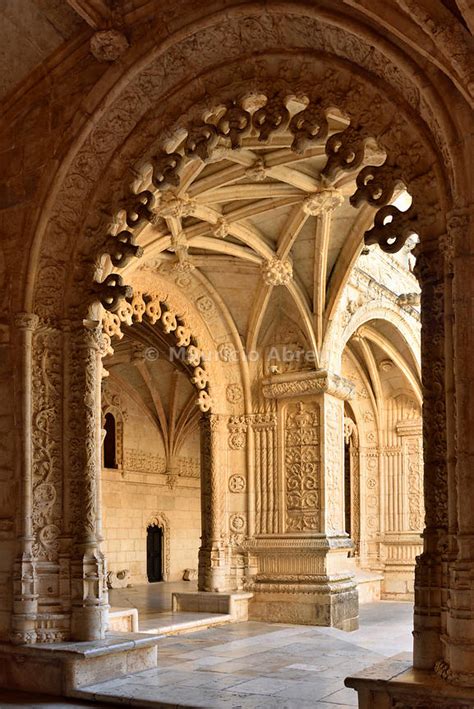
[302, 467]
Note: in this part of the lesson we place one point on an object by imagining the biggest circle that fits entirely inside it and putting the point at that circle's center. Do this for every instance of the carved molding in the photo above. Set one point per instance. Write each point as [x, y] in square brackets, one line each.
[300, 383]
[161, 520]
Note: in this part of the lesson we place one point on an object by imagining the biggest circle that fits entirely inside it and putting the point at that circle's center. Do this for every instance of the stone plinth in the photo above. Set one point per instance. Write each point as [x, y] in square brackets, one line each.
[394, 683]
[233, 604]
[304, 580]
[61, 668]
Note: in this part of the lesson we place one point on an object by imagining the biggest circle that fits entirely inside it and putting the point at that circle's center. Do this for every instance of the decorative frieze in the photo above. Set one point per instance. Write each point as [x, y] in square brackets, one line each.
[139, 461]
[298, 383]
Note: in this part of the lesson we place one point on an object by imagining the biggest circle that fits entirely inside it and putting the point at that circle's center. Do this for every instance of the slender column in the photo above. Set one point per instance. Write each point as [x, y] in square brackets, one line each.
[458, 662]
[24, 573]
[89, 594]
[430, 581]
[214, 552]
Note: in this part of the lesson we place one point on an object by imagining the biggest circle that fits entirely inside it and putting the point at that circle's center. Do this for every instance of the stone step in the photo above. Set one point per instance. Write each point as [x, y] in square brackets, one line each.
[182, 622]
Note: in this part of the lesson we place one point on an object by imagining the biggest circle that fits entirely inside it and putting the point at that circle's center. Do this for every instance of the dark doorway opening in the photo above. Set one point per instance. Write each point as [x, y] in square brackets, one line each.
[110, 442]
[154, 553]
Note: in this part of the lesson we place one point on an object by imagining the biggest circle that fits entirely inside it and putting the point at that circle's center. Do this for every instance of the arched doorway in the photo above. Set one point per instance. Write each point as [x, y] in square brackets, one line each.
[154, 553]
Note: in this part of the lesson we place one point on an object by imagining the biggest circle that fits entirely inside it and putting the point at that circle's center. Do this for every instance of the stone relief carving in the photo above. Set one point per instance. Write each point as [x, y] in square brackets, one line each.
[310, 383]
[333, 465]
[234, 393]
[237, 427]
[277, 272]
[302, 467]
[136, 460]
[237, 483]
[47, 452]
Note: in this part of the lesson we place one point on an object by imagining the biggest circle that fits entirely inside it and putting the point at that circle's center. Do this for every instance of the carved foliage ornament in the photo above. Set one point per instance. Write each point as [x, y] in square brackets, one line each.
[302, 467]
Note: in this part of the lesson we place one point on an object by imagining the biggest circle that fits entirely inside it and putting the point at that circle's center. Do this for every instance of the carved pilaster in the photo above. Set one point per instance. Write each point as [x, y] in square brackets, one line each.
[267, 503]
[25, 594]
[213, 553]
[458, 662]
[89, 594]
[430, 572]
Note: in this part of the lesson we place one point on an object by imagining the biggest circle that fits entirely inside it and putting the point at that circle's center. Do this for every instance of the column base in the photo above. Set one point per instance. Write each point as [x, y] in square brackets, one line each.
[395, 683]
[305, 580]
[334, 603]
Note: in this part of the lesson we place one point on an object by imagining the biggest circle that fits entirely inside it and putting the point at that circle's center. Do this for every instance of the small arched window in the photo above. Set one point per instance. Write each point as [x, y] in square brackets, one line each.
[110, 442]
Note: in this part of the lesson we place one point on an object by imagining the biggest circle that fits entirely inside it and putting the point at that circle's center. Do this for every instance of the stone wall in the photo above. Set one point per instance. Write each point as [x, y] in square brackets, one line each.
[141, 491]
[133, 502]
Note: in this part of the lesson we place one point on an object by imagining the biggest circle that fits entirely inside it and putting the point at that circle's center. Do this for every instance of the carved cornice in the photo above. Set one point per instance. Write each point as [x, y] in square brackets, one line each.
[284, 386]
[300, 544]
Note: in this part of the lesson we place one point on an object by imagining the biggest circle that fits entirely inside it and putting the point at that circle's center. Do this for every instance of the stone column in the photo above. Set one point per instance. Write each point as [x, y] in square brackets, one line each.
[88, 574]
[25, 594]
[458, 662]
[304, 575]
[214, 551]
[430, 572]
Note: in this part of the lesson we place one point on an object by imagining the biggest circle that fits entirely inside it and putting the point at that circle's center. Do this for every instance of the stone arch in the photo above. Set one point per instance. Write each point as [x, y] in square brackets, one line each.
[120, 131]
[112, 403]
[337, 338]
[108, 133]
[161, 520]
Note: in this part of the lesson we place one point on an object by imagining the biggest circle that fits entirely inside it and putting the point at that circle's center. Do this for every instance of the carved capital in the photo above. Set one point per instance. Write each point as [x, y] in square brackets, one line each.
[26, 321]
[284, 386]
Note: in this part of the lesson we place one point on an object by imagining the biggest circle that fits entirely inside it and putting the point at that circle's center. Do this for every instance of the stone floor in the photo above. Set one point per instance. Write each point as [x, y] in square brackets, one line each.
[153, 602]
[256, 665]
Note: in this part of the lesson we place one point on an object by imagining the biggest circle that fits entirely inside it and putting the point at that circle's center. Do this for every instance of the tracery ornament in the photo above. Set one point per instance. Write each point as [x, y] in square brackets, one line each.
[302, 467]
[162, 521]
[345, 150]
[149, 306]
